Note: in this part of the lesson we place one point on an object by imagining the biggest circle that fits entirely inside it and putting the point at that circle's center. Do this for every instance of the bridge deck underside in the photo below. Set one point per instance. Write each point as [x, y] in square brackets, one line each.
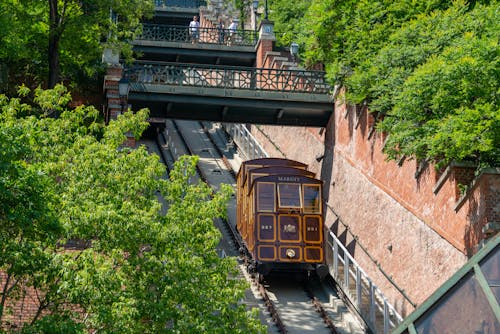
[196, 53]
[232, 105]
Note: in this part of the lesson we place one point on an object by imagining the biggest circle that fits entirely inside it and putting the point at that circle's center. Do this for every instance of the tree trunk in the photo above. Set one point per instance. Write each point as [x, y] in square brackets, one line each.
[4, 296]
[54, 37]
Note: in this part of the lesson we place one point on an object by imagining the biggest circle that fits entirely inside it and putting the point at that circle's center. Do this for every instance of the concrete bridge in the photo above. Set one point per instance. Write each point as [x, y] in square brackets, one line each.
[224, 75]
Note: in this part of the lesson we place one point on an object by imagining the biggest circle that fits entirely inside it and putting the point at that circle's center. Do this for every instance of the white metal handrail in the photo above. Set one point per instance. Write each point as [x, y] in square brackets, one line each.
[245, 141]
[377, 303]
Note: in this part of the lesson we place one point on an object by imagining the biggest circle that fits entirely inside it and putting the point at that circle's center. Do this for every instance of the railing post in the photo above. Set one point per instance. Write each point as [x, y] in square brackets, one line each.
[375, 309]
[372, 304]
[358, 287]
[346, 271]
[386, 317]
[335, 258]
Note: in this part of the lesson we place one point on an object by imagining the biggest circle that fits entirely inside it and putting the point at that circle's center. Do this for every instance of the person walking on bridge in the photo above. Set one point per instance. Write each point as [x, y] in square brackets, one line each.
[232, 31]
[194, 30]
[220, 31]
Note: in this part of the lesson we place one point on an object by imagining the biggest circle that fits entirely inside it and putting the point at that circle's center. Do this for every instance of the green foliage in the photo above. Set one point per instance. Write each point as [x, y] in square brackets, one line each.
[287, 16]
[83, 29]
[70, 179]
[54, 324]
[23, 40]
[454, 83]
[427, 67]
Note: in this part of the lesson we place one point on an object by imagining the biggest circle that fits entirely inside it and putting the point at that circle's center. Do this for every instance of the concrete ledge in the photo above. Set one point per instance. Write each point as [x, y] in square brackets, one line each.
[171, 9]
[275, 61]
[269, 55]
[232, 93]
[441, 180]
[197, 46]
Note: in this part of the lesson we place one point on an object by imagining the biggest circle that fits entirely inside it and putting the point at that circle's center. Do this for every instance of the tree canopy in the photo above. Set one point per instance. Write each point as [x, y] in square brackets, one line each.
[81, 229]
[428, 69]
[62, 40]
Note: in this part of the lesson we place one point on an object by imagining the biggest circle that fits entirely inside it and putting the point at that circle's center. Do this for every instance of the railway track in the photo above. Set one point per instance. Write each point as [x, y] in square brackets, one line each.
[287, 305]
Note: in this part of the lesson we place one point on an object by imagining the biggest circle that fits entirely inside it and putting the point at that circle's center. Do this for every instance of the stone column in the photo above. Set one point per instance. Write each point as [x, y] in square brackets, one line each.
[265, 43]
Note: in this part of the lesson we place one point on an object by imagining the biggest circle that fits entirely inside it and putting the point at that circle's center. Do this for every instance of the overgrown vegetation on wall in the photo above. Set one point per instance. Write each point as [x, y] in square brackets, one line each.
[429, 70]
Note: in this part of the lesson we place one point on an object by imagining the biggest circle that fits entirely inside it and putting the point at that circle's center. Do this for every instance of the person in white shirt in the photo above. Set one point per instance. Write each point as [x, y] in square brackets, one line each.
[232, 31]
[194, 29]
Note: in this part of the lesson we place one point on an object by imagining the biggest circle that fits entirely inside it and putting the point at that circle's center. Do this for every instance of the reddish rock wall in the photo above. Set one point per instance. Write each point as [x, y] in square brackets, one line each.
[413, 220]
[296, 143]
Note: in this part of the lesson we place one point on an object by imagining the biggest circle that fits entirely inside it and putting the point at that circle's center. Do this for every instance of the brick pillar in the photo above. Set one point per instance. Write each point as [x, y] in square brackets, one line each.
[265, 43]
[114, 72]
[113, 103]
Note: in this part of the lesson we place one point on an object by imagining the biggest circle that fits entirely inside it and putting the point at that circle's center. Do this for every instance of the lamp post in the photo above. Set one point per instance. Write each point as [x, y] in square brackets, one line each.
[294, 51]
[265, 11]
[123, 89]
[255, 6]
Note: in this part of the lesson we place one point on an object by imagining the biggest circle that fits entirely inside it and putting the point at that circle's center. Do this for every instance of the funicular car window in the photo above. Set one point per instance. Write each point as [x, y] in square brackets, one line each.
[289, 195]
[265, 197]
[312, 199]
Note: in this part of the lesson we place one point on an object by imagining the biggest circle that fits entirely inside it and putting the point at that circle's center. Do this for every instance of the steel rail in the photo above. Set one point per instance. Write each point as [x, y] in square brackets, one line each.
[267, 301]
[159, 144]
[320, 309]
[271, 307]
[238, 242]
[189, 149]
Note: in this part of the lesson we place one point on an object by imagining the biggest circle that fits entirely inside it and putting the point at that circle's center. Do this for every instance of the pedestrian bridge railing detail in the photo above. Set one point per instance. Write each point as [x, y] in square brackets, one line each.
[180, 3]
[172, 33]
[229, 77]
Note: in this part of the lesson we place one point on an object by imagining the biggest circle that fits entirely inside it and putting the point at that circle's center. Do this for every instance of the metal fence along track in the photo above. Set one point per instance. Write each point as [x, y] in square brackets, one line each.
[368, 300]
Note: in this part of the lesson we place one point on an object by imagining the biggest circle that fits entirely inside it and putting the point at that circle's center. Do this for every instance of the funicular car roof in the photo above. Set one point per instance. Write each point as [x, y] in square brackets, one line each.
[268, 162]
[278, 169]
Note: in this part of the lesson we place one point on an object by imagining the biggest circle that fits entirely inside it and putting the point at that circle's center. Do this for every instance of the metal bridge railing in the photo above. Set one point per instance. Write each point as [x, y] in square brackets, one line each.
[246, 142]
[180, 3]
[229, 77]
[357, 286]
[172, 33]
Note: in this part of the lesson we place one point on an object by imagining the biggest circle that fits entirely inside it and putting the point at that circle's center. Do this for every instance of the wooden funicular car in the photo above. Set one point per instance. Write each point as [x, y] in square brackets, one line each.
[280, 216]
